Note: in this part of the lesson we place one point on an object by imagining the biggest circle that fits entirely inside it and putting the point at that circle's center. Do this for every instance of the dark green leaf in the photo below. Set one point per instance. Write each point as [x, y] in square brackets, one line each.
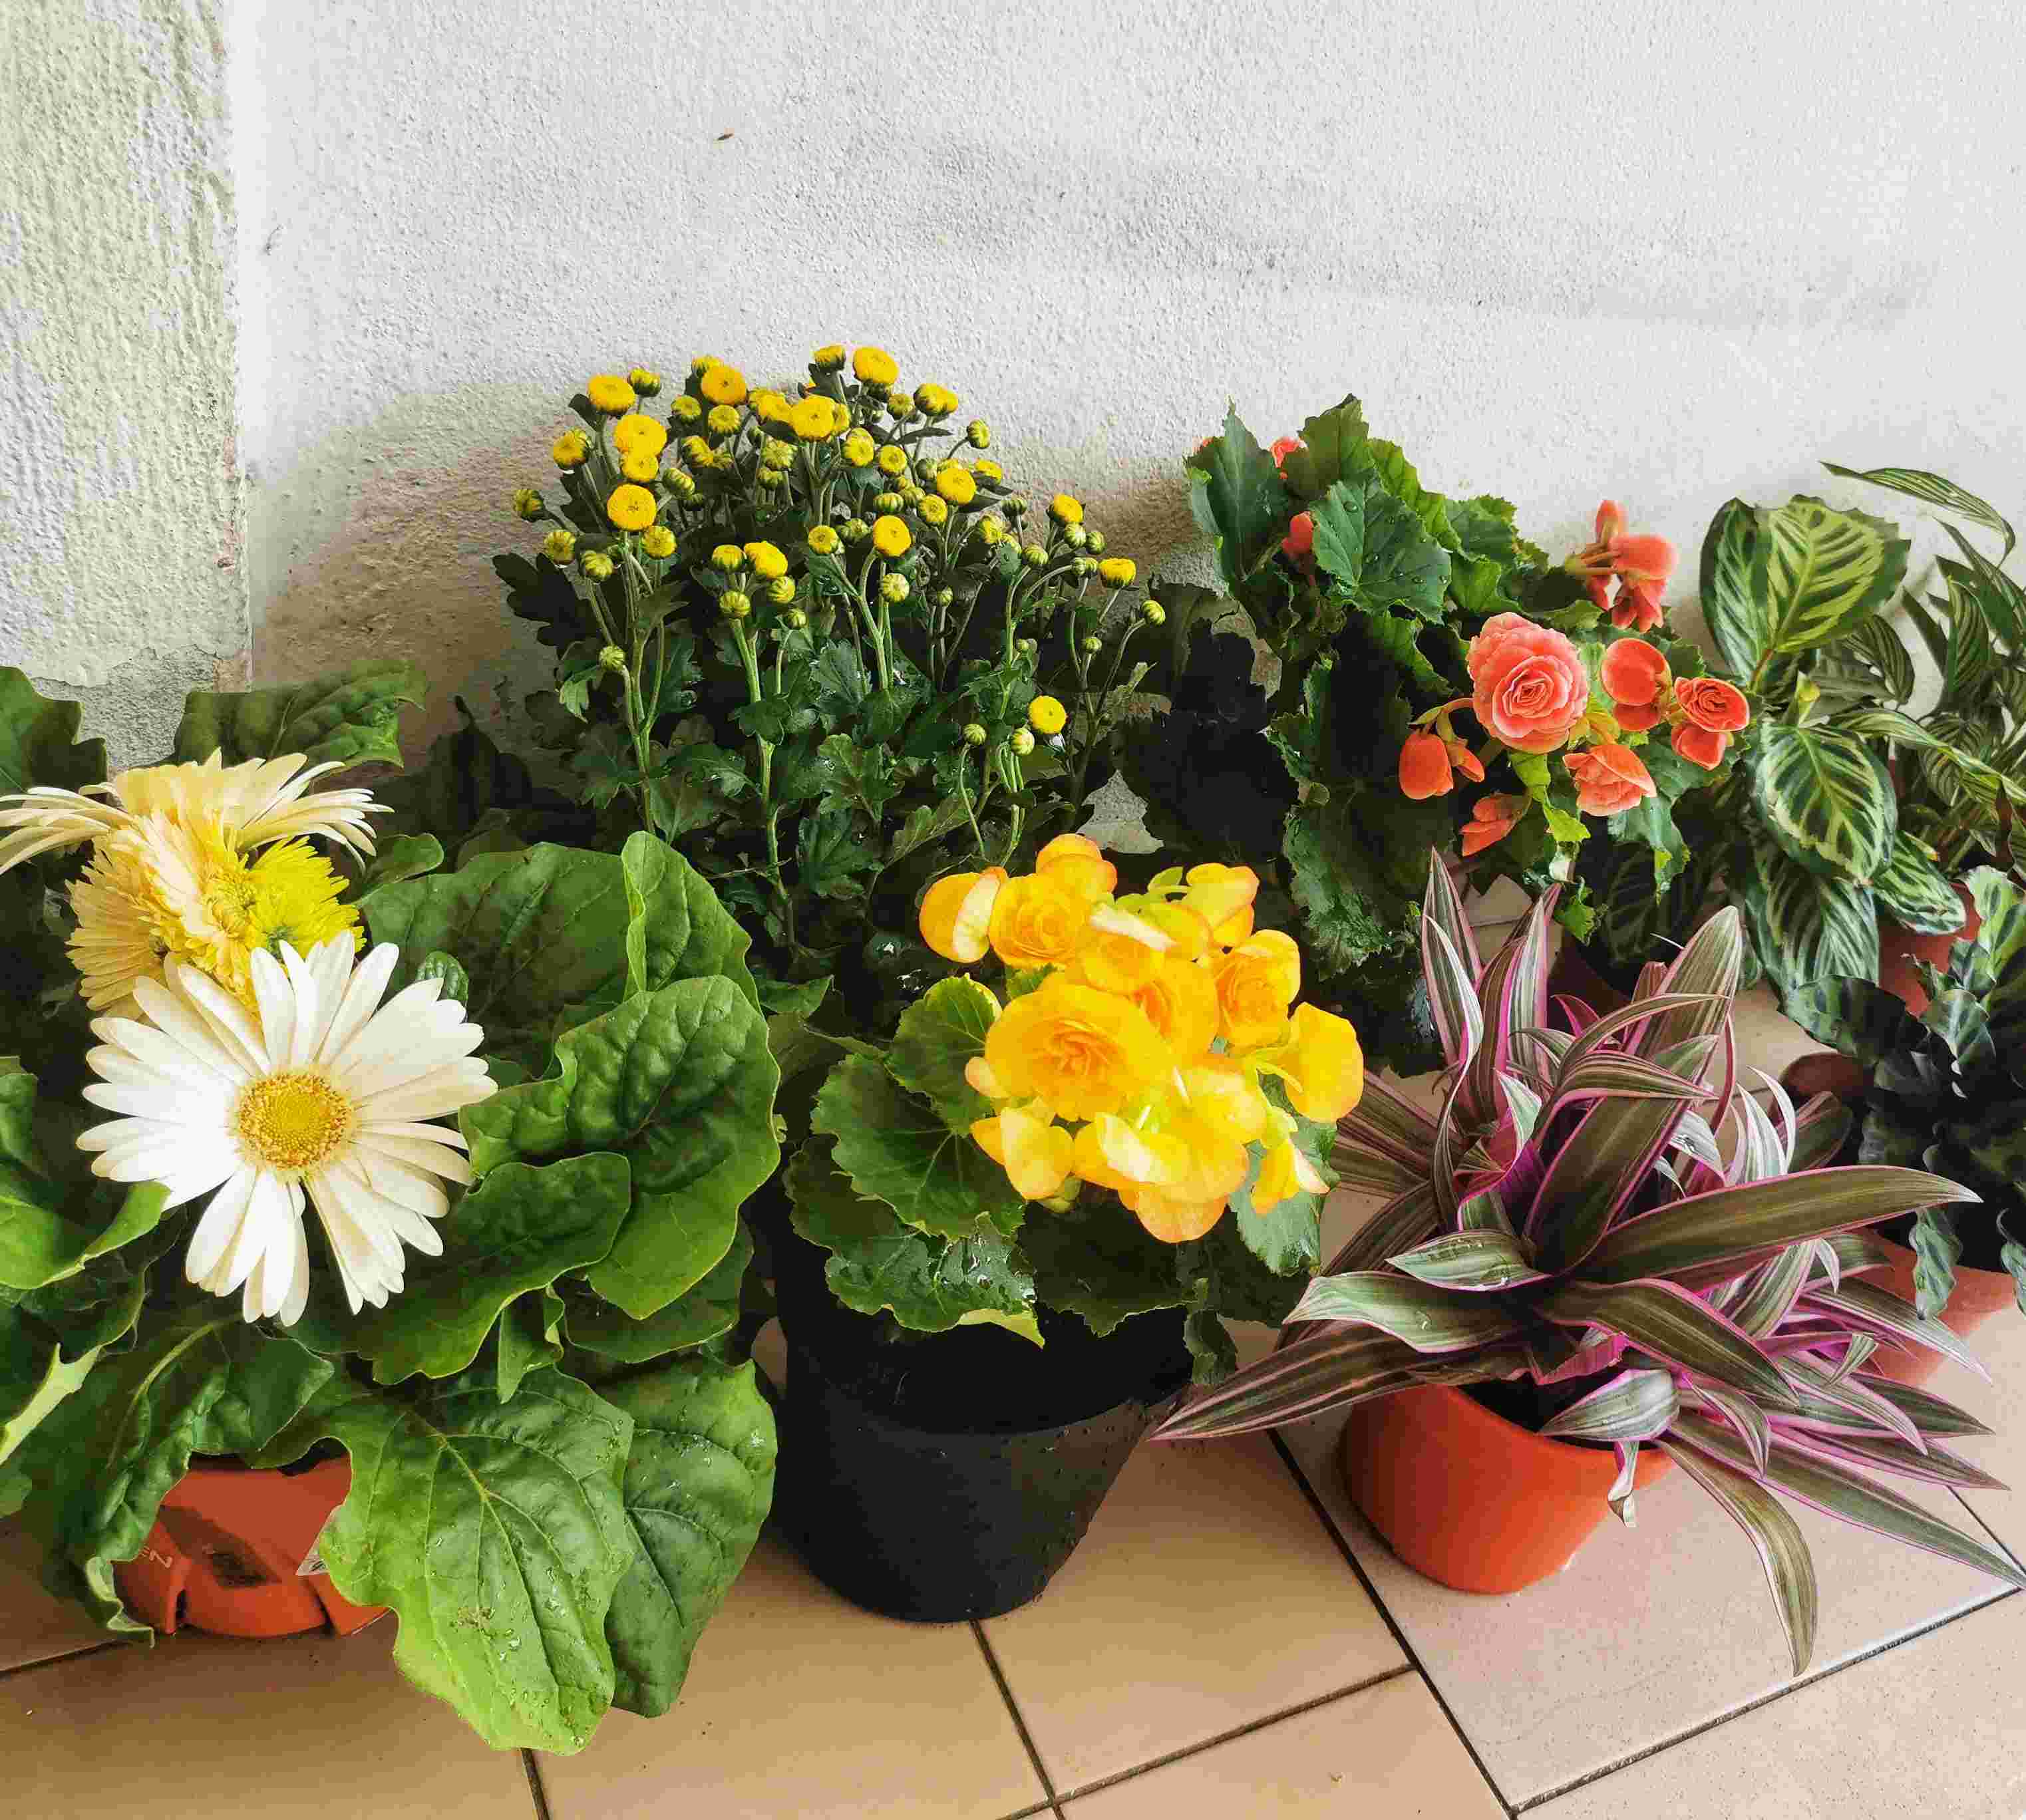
[350, 717]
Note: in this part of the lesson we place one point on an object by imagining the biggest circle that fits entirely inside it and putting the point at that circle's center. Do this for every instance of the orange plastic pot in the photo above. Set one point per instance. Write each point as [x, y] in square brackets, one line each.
[1978, 1295]
[1898, 949]
[228, 1551]
[1468, 1499]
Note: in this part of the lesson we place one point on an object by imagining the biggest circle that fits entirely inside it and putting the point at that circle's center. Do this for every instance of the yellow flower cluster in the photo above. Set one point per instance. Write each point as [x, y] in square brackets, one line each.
[1137, 1063]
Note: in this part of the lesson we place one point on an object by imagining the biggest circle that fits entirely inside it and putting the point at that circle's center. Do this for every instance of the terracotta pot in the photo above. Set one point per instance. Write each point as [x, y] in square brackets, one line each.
[227, 1552]
[1899, 949]
[1978, 1295]
[1573, 977]
[1470, 1499]
[1826, 1073]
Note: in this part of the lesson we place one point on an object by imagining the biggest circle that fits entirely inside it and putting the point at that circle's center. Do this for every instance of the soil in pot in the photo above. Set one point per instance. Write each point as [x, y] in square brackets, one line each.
[943, 1477]
[1471, 1499]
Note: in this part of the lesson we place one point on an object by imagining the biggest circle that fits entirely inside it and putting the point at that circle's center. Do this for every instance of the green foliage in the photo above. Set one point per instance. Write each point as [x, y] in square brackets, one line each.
[38, 742]
[350, 717]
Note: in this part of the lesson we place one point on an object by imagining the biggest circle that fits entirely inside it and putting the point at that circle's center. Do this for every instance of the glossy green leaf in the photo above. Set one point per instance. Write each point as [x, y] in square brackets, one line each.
[38, 742]
[529, 1338]
[519, 1229]
[1377, 552]
[1782, 1549]
[1236, 494]
[498, 1534]
[939, 1034]
[1738, 616]
[707, 1309]
[1827, 799]
[1333, 445]
[350, 717]
[35, 1375]
[699, 1479]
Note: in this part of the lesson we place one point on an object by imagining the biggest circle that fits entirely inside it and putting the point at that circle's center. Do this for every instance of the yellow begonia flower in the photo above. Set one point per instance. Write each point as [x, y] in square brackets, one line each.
[874, 367]
[890, 536]
[1256, 983]
[610, 394]
[1081, 1051]
[1116, 572]
[1226, 1096]
[814, 418]
[570, 449]
[1180, 1000]
[638, 434]
[1037, 921]
[955, 483]
[859, 448]
[1285, 1171]
[1186, 1208]
[722, 385]
[1321, 1064]
[1185, 927]
[631, 508]
[1114, 1154]
[1080, 860]
[1047, 716]
[1065, 508]
[957, 914]
[768, 563]
[639, 465]
[1222, 895]
[1033, 1151]
[1119, 952]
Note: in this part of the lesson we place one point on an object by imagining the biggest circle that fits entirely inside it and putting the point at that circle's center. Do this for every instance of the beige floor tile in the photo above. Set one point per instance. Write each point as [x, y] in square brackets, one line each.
[201, 1726]
[800, 1703]
[34, 1626]
[2000, 1346]
[1206, 1597]
[1766, 1038]
[1648, 1633]
[1384, 1753]
[1935, 1727]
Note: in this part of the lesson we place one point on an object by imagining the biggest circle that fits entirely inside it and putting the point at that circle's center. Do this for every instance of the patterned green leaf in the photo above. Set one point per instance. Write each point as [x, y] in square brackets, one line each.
[1805, 927]
[1827, 799]
[1887, 653]
[1913, 888]
[1737, 611]
[1819, 571]
[1931, 489]
[1854, 1017]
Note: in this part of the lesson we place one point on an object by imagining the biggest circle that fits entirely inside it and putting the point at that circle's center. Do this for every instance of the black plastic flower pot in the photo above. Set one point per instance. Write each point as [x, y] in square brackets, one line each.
[943, 1477]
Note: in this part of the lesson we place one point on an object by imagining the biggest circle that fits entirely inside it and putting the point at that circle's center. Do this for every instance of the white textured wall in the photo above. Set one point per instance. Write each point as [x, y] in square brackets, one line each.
[121, 583]
[1562, 250]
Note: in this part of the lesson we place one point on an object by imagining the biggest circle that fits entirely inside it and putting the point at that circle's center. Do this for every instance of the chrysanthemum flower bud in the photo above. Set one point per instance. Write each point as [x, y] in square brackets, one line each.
[1034, 556]
[854, 531]
[1075, 536]
[781, 590]
[612, 658]
[597, 564]
[1092, 643]
[1022, 741]
[828, 359]
[1154, 613]
[945, 597]
[659, 541]
[559, 546]
[527, 504]
[644, 380]
[978, 433]
[689, 410]
[893, 588]
[729, 557]
[734, 605]
[1094, 542]
[973, 735]
[794, 619]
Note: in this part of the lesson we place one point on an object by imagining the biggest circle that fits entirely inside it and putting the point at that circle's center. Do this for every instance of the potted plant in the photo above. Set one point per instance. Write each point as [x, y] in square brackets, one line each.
[530, 1353]
[1853, 819]
[1023, 1208]
[1413, 641]
[815, 636]
[1947, 1089]
[1567, 1272]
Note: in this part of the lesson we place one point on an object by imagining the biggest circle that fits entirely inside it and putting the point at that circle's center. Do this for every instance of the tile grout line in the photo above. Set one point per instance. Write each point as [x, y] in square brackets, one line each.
[1379, 1605]
[67, 1656]
[1236, 1732]
[540, 1794]
[1019, 1720]
[2004, 1547]
[1765, 1700]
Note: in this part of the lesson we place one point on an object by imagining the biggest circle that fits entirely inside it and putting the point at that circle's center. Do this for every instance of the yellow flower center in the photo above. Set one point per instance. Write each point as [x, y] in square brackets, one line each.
[292, 1122]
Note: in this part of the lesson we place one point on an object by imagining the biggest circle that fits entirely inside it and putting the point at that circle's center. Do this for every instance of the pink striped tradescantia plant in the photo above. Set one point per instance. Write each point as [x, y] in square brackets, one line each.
[1567, 1227]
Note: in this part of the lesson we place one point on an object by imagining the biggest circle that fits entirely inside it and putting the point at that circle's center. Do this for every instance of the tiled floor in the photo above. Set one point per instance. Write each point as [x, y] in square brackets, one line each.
[1230, 1640]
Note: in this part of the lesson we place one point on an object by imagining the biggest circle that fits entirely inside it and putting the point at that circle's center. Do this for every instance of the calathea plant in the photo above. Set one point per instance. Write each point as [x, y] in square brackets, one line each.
[822, 642]
[1947, 1089]
[1136, 1118]
[529, 1352]
[1565, 1230]
[1412, 641]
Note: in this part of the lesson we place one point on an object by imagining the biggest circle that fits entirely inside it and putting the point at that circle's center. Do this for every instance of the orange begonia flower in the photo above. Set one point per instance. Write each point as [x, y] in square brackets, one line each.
[1706, 711]
[1641, 565]
[1300, 541]
[1609, 779]
[1492, 817]
[1636, 678]
[1424, 766]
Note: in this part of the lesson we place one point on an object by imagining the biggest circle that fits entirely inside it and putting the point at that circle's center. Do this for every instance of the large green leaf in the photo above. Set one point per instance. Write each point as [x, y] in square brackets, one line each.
[699, 1479]
[1236, 494]
[1098, 1261]
[679, 1082]
[56, 1217]
[1332, 444]
[1377, 552]
[1932, 489]
[1820, 571]
[899, 1150]
[519, 1229]
[497, 1533]
[1827, 799]
[350, 717]
[1739, 616]
[35, 1375]
[104, 1458]
[38, 742]
[1804, 926]
[1782, 1549]
[1911, 888]
[1854, 1017]
[938, 1035]
[879, 1265]
[698, 1315]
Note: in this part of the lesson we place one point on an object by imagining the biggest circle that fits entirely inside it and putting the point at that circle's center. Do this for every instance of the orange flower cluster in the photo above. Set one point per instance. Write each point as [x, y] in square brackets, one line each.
[1137, 1063]
[1702, 711]
[1640, 565]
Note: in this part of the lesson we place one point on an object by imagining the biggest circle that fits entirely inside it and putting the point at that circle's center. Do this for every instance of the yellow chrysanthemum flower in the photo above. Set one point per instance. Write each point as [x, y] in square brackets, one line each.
[890, 537]
[956, 484]
[1046, 715]
[640, 466]
[874, 367]
[1065, 508]
[631, 508]
[827, 358]
[120, 913]
[527, 503]
[610, 394]
[638, 434]
[823, 539]
[689, 410]
[768, 563]
[723, 420]
[892, 460]
[722, 385]
[570, 449]
[814, 419]
[769, 406]
[660, 542]
[988, 469]
[935, 401]
[858, 448]
[1116, 572]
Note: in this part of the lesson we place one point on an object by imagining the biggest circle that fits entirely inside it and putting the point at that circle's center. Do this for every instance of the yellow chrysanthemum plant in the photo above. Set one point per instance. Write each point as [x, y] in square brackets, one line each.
[308, 1142]
[815, 633]
[1138, 1115]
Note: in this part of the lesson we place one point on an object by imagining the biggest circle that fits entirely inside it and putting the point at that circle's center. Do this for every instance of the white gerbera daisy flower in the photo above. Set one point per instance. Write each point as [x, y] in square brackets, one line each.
[320, 1094]
[249, 804]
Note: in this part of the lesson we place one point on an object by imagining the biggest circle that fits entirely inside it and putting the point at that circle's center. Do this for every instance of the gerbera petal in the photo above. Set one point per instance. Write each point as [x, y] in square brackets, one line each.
[167, 1058]
[439, 1159]
[219, 1225]
[225, 1016]
[445, 1091]
[278, 1007]
[299, 1280]
[179, 1021]
[361, 995]
[165, 1104]
[365, 1075]
[434, 1133]
[397, 1181]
